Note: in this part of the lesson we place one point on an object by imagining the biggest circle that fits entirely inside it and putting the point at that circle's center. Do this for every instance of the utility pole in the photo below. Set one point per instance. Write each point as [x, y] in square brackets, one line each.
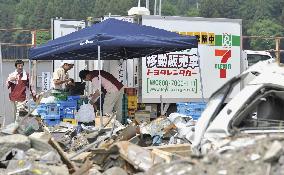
[197, 5]
[147, 4]
[159, 6]
[155, 8]
[277, 49]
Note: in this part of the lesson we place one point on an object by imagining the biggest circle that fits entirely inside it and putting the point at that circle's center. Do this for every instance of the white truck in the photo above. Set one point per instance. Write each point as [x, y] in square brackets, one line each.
[190, 75]
[251, 57]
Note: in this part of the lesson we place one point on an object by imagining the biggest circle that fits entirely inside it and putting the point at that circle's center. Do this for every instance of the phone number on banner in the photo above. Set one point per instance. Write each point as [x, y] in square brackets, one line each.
[159, 85]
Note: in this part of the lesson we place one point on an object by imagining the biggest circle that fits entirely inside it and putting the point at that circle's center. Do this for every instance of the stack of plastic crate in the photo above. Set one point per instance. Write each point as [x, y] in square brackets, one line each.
[67, 110]
[131, 101]
[193, 109]
[76, 98]
[124, 109]
[50, 113]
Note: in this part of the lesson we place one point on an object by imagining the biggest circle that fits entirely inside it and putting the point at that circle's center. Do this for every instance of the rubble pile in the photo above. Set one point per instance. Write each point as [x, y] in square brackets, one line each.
[161, 146]
[22, 154]
[255, 155]
[30, 147]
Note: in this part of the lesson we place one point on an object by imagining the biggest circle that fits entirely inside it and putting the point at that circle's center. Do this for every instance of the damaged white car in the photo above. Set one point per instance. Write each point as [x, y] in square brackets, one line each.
[257, 109]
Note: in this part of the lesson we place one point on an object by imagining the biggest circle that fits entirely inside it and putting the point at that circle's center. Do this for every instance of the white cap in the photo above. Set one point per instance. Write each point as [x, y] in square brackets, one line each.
[67, 62]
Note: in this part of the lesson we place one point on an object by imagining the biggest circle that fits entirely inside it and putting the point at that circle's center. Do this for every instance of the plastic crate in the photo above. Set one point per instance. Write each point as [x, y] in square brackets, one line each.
[124, 102]
[193, 109]
[63, 104]
[68, 112]
[132, 102]
[48, 109]
[72, 98]
[61, 96]
[195, 117]
[50, 117]
[130, 91]
[41, 109]
[51, 122]
[69, 120]
[67, 108]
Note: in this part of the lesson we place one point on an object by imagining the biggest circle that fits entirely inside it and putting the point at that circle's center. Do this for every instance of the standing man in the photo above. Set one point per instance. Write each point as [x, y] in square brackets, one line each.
[61, 77]
[114, 90]
[18, 82]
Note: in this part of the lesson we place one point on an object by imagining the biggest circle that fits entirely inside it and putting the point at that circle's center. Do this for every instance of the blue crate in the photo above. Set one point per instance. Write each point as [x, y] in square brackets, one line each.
[64, 104]
[48, 109]
[50, 117]
[41, 110]
[195, 117]
[68, 116]
[67, 108]
[51, 122]
[72, 98]
[192, 104]
[193, 109]
[68, 112]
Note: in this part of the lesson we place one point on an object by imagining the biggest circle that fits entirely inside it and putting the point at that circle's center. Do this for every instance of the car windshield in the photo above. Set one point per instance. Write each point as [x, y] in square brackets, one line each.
[254, 58]
[264, 112]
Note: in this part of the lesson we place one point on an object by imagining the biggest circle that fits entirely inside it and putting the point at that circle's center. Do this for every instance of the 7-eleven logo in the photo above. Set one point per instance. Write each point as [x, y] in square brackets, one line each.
[223, 66]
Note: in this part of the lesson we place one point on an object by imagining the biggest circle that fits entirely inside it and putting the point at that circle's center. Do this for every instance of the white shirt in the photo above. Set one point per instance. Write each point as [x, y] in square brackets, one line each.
[59, 74]
[106, 84]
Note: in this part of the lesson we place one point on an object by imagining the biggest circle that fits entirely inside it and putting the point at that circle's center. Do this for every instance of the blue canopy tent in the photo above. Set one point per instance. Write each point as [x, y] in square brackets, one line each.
[117, 40]
[112, 40]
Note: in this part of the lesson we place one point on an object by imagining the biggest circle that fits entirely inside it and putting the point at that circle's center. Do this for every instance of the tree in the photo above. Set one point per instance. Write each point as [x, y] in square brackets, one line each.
[193, 12]
[264, 28]
[115, 7]
[7, 18]
[36, 14]
[168, 9]
[219, 8]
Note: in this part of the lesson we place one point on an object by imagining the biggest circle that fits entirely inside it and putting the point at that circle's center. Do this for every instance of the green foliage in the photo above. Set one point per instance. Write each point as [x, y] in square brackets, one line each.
[260, 17]
[193, 12]
[42, 37]
[264, 28]
[219, 8]
[169, 9]
[114, 7]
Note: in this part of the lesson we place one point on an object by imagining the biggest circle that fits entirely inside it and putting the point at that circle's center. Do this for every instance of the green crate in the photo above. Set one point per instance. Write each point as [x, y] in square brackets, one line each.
[60, 95]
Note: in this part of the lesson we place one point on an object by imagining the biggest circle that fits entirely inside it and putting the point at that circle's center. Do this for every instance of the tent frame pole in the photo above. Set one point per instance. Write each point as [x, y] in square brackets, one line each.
[29, 85]
[100, 79]
[2, 79]
[200, 76]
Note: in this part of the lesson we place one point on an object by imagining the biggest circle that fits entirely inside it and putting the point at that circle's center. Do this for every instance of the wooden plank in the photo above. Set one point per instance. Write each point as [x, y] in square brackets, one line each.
[165, 155]
[180, 149]
[71, 166]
